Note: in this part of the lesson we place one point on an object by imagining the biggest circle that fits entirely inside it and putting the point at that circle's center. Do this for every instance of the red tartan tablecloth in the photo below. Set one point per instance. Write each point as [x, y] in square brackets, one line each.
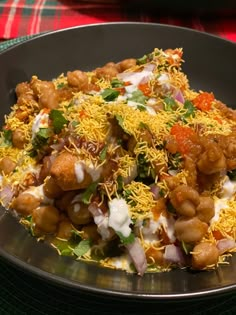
[28, 17]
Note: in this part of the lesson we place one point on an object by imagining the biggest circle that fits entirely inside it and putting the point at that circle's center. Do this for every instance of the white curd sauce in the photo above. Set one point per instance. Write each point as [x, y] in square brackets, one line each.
[40, 121]
[81, 167]
[119, 218]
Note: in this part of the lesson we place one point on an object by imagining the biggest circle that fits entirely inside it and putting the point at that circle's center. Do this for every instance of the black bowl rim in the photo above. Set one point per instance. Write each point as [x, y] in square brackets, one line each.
[70, 284]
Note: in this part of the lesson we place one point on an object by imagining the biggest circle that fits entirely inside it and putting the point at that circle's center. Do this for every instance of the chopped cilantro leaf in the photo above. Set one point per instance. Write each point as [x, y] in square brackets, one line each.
[82, 248]
[41, 138]
[175, 161]
[86, 195]
[62, 247]
[120, 121]
[142, 125]
[58, 120]
[109, 94]
[143, 167]
[142, 108]
[60, 85]
[142, 60]
[232, 174]
[7, 138]
[126, 240]
[115, 83]
[170, 207]
[103, 153]
[43, 133]
[119, 181]
[169, 104]
[190, 109]
[186, 247]
[138, 97]
[162, 193]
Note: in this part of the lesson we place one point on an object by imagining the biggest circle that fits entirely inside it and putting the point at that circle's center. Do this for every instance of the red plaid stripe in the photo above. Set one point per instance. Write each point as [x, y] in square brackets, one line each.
[27, 17]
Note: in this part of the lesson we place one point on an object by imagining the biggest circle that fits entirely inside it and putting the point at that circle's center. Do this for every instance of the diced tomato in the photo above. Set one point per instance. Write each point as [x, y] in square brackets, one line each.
[45, 110]
[83, 114]
[145, 88]
[218, 119]
[183, 137]
[159, 208]
[217, 235]
[164, 237]
[120, 89]
[203, 101]
[127, 83]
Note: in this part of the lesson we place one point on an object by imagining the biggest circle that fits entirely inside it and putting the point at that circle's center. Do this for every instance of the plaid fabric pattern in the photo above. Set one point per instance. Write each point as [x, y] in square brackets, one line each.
[28, 17]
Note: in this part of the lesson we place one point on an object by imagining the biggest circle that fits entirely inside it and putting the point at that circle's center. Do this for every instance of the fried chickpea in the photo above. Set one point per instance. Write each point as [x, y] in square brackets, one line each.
[51, 189]
[18, 138]
[46, 92]
[155, 255]
[204, 254]
[7, 165]
[109, 71]
[63, 172]
[25, 203]
[22, 88]
[126, 64]
[206, 209]
[66, 199]
[46, 218]
[65, 230]
[78, 213]
[190, 230]
[185, 199]
[90, 232]
[212, 160]
[78, 79]
[190, 167]
[45, 168]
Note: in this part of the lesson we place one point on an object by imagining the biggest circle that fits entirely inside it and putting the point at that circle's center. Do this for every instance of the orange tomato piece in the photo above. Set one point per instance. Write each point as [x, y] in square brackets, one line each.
[145, 88]
[83, 114]
[183, 137]
[217, 235]
[203, 101]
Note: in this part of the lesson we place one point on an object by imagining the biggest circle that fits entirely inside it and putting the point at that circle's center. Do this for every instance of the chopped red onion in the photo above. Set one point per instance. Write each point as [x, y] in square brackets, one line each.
[6, 195]
[101, 220]
[174, 254]
[138, 256]
[58, 146]
[155, 191]
[132, 174]
[225, 245]
[149, 67]
[179, 96]
[136, 78]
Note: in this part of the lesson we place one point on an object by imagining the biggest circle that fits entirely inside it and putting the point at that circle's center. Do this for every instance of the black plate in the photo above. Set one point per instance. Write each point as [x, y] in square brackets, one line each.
[210, 65]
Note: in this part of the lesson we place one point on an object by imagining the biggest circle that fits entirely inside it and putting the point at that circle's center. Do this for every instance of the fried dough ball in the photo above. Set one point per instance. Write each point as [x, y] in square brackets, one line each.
[190, 230]
[18, 138]
[204, 254]
[25, 203]
[78, 79]
[7, 165]
[46, 218]
[64, 174]
[206, 209]
[185, 200]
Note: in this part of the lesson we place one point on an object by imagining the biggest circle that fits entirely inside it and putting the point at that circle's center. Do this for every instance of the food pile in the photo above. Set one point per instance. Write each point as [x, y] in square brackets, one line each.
[125, 165]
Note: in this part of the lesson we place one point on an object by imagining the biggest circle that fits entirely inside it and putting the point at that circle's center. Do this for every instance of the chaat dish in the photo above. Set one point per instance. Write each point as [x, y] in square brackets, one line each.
[125, 165]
